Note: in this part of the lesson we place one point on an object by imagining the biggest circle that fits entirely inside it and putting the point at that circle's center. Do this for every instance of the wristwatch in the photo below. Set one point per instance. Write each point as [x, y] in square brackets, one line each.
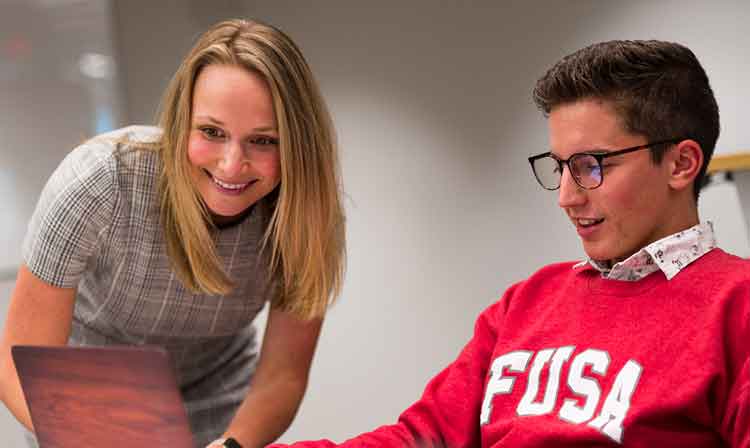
[229, 442]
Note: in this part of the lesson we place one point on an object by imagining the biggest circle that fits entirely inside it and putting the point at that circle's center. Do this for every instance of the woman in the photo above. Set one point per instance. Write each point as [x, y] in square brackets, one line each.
[178, 235]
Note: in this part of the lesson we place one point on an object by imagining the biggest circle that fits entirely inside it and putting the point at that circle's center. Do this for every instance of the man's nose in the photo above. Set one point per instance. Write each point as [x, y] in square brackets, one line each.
[570, 194]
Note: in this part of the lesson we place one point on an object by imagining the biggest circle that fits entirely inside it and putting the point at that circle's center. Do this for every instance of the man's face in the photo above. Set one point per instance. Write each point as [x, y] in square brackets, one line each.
[632, 206]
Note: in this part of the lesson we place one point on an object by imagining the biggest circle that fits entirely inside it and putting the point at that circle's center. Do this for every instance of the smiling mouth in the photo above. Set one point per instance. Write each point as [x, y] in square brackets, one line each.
[585, 222]
[230, 187]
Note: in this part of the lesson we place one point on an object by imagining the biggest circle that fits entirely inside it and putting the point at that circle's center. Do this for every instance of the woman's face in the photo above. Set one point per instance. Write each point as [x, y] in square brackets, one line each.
[233, 147]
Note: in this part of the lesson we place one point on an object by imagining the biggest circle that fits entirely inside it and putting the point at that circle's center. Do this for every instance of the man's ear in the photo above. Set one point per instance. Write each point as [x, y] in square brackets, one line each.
[684, 162]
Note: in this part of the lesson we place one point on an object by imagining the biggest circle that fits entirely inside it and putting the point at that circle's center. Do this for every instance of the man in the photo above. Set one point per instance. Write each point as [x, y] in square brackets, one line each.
[646, 343]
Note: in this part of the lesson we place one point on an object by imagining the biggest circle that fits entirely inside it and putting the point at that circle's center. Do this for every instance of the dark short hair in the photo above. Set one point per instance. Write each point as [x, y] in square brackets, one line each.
[659, 89]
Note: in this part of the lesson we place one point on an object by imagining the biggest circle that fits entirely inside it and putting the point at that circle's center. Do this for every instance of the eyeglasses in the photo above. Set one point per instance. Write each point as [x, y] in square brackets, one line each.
[585, 167]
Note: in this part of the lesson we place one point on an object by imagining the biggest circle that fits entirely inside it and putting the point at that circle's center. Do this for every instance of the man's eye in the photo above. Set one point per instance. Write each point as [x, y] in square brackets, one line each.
[591, 167]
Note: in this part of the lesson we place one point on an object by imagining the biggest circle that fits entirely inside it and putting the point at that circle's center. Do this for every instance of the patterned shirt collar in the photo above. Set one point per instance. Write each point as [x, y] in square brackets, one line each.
[670, 255]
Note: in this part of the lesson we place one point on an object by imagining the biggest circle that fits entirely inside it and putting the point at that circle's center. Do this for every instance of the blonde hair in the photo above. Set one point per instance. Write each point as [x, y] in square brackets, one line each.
[305, 234]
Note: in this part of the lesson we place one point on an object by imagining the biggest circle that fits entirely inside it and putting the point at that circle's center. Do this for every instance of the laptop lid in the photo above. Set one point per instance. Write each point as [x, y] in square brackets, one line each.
[102, 396]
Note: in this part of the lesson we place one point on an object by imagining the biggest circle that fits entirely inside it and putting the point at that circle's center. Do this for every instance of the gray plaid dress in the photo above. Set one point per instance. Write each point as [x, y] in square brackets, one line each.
[96, 227]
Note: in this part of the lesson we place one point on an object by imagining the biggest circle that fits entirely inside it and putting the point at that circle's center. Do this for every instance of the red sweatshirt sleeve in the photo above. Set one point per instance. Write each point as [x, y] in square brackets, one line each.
[735, 410]
[448, 412]
[735, 425]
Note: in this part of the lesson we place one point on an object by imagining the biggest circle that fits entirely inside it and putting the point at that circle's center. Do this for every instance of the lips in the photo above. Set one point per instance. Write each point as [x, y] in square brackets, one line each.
[588, 222]
[587, 227]
[230, 187]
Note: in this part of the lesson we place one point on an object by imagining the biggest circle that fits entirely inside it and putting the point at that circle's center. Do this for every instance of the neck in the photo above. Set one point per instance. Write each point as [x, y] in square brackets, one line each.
[682, 215]
[676, 223]
[222, 222]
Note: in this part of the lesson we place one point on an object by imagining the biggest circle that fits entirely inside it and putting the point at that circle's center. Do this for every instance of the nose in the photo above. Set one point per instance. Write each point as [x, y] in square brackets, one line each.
[232, 159]
[570, 194]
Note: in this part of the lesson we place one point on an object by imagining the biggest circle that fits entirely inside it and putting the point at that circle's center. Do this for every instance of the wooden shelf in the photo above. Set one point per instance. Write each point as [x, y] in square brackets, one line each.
[730, 162]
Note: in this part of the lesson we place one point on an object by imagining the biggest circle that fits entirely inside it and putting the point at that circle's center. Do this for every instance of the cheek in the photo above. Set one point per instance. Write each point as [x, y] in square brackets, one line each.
[632, 209]
[618, 206]
[270, 167]
[200, 152]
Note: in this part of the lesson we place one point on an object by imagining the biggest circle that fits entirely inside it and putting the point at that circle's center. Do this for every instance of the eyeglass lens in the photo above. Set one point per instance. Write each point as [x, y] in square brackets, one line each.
[585, 169]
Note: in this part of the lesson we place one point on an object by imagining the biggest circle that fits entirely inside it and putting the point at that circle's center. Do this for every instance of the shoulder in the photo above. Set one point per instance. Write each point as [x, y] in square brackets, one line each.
[718, 280]
[733, 264]
[548, 278]
[129, 135]
[565, 269]
[76, 210]
[719, 267]
[96, 174]
[730, 276]
[120, 158]
[102, 153]
[554, 275]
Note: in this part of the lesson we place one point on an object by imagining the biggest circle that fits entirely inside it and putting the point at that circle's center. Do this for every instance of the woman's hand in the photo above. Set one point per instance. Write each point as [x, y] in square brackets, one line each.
[279, 382]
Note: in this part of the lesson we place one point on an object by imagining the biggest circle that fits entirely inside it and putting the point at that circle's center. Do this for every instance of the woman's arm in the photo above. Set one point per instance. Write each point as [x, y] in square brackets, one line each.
[279, 382]
[39, 314]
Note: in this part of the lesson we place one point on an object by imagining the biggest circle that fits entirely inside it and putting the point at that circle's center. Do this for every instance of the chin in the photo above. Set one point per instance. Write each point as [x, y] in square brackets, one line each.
[225, 210]
[228, 214]
[599, 254]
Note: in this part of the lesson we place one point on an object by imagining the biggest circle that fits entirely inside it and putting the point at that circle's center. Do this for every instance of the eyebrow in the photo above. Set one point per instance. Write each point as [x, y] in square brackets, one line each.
[599, 151]
[596, 151]
[221, 123]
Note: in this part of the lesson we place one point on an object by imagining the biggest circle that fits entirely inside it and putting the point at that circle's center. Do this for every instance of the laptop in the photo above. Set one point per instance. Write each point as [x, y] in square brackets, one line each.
[102, 396]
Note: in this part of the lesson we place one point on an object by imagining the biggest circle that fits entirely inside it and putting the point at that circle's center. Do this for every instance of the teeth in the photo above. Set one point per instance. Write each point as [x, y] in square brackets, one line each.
[587, 222]
[230, 186]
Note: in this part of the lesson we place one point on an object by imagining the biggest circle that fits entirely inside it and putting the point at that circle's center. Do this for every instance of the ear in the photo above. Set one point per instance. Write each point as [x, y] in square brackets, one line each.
[684, 162]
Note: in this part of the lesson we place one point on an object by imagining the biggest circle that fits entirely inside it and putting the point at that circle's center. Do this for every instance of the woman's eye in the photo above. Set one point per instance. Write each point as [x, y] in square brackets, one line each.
[265, 141]
[211, 132]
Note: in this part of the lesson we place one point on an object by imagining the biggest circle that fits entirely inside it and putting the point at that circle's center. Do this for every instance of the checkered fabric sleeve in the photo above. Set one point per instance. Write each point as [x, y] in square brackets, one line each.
[72, 216]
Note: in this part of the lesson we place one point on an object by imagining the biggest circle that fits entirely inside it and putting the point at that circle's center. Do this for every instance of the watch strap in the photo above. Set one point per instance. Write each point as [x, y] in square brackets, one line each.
[230, 442]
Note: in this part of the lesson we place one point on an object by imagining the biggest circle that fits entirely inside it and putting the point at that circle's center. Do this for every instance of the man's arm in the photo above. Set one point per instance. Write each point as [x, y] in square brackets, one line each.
[735, 414]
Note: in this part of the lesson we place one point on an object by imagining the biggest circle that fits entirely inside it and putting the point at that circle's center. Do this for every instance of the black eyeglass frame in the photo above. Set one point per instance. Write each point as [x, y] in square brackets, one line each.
[598, 156]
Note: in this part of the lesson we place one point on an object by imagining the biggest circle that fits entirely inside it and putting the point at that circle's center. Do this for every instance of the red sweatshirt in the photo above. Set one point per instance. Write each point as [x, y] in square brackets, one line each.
[567, 358]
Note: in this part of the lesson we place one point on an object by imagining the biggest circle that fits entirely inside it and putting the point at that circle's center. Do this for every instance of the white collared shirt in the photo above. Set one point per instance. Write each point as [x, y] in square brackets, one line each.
[670, 255]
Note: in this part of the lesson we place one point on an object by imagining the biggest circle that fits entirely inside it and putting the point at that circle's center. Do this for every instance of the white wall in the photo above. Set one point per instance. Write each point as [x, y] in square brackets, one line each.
[48, 105]
[433, 109]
